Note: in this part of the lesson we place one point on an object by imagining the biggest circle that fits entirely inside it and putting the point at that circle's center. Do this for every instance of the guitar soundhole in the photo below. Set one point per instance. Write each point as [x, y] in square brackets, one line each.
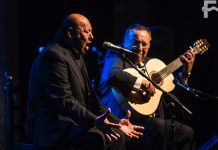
[156, 78]
[138, 98]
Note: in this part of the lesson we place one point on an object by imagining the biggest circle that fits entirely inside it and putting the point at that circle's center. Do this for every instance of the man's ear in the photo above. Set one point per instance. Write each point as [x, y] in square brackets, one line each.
[70, 32]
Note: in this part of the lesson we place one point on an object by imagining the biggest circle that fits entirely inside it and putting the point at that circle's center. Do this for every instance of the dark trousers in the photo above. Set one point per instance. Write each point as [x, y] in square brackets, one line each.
[94, 139]
[158, 136]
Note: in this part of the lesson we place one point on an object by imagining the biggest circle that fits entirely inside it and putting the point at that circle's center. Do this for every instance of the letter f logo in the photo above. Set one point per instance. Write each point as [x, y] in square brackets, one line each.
[206, 9]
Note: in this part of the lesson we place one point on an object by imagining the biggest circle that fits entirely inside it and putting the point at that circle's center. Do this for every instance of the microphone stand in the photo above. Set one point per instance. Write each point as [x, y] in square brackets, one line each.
[203, 95]
[171, 109]
[166, 93]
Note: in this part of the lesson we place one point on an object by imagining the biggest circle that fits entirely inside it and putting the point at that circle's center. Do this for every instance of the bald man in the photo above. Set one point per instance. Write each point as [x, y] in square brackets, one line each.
[64, 111]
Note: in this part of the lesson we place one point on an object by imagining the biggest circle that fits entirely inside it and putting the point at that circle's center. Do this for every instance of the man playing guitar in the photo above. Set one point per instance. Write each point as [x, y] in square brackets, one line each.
[119, 84]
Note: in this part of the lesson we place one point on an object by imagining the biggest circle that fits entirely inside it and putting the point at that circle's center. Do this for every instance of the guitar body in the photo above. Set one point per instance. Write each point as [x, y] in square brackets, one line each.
[159, 73]
[145, 107]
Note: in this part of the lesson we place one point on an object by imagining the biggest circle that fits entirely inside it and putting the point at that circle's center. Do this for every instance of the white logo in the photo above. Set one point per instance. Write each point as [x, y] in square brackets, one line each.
[206, 9]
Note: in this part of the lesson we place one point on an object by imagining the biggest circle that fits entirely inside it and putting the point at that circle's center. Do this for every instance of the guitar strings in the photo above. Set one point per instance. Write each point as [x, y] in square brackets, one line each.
[178, 63]
[166, 71]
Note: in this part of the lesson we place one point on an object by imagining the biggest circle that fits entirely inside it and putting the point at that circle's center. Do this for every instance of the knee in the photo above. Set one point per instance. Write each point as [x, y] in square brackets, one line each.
[95, 140]
[160, 128]
[189, 133]
[99, 136]
[122, 138]
[121, 141]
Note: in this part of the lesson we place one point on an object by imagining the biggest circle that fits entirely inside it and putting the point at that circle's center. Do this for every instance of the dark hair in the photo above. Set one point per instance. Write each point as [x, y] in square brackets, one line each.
[134, 27]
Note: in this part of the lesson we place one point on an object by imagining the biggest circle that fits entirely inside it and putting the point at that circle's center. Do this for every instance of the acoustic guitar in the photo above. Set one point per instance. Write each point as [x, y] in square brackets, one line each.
[159, 73]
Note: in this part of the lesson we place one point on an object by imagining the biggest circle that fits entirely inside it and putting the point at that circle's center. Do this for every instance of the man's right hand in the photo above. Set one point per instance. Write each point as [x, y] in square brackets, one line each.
[103, 124]
[148, 88]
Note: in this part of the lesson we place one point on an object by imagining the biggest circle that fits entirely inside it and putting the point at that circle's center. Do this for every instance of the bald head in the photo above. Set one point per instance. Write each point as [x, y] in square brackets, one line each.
[76, 20]
[76, 31]
[72, 21]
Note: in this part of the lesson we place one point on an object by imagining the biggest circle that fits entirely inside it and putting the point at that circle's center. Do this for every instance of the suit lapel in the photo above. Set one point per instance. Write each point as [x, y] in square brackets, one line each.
[72, 61]
[82, 76]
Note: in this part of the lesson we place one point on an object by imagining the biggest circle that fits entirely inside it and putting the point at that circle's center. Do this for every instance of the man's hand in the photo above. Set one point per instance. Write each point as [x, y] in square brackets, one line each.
[188, 59]
[128, 128]
[124, 125]
[148, 88]
[105, 126]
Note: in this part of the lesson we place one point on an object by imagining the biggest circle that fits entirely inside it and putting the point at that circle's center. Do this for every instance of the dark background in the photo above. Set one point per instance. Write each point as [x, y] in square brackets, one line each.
[176, 25]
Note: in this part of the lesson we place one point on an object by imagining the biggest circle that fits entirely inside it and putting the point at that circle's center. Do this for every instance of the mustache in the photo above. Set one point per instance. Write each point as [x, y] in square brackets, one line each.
[142, 56]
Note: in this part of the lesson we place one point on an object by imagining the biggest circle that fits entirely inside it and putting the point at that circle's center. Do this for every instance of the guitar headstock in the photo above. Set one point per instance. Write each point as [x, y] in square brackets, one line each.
[200, 46]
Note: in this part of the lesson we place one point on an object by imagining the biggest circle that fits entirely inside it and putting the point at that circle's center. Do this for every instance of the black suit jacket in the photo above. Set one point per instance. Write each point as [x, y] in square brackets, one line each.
[114, 76]
[61, 98]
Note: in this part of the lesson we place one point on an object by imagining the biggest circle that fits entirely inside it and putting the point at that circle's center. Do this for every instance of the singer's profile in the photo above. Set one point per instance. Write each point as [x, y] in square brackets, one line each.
[64, 110]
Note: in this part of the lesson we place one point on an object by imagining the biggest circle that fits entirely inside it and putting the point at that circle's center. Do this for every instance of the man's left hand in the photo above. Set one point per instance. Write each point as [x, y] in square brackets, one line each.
[128, 128]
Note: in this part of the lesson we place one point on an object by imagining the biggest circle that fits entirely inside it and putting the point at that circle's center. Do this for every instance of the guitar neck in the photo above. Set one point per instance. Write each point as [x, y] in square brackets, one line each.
[170, 68]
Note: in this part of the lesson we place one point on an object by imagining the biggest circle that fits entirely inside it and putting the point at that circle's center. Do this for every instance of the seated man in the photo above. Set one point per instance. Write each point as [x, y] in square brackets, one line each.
[64, 111]
[137, 38]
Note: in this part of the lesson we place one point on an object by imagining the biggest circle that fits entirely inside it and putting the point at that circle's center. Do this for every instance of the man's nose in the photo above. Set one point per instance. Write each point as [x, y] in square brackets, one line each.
[139, 48]
[91, 36]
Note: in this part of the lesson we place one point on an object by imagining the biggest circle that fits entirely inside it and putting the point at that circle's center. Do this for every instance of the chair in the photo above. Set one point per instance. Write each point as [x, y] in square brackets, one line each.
[15, 117]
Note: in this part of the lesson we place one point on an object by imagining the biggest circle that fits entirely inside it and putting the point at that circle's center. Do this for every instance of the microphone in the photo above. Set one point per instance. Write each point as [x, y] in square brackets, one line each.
[196, 93]
[109, 45]
[191, 90]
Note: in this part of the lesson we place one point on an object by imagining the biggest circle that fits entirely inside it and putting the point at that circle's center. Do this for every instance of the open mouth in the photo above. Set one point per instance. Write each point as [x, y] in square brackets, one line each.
[140, 56]
[87, 46]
